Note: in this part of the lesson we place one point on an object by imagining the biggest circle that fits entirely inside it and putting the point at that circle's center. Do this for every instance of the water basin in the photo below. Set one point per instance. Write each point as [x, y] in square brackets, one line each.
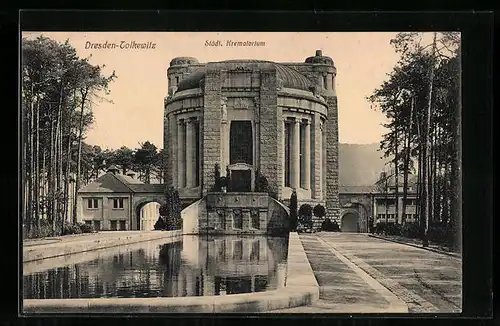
[180, 267]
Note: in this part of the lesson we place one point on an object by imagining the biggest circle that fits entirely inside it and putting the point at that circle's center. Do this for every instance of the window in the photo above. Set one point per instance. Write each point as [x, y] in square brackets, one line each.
[97, 225]
[117, 203]
[255, 253]
[113, 226]
[92, 203]
[177, 80]
[88, 222]
[238, 249]
[255, 220]
[122, 226]
[381, 216]
[238, 220]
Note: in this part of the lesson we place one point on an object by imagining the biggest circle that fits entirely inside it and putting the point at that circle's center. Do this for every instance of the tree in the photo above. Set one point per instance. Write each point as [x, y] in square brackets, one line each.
[53, 123]
[420, 99]
[172, 211]
[146, 160]
[293, 211]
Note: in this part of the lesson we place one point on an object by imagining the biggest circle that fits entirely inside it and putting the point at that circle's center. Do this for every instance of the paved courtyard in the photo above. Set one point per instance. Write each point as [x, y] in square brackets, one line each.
[427, 282]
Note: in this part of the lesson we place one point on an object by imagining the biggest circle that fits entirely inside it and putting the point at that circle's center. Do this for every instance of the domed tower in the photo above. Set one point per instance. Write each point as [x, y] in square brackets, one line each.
[179, 68]
[325, 72]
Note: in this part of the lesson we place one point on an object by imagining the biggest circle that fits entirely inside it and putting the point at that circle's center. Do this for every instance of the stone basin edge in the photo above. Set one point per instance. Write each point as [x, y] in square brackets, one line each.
[301, 289]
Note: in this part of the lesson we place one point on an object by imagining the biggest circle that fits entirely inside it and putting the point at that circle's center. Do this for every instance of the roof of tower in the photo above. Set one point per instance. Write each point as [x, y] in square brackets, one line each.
[290, 77]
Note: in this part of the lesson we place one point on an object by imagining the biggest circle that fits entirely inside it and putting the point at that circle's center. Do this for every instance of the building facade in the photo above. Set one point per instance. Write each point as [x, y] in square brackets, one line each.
[117, 202]
[252, 117]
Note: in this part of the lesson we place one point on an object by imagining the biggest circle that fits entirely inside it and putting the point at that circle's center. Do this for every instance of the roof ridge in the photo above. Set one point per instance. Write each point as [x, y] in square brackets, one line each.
[123, 183]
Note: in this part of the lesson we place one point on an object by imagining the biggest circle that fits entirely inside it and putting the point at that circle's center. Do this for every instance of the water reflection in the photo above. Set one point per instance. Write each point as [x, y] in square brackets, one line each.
[195, 266]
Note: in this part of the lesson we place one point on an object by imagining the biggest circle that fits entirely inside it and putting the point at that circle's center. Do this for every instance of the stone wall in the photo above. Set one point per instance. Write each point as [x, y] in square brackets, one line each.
[332, 163]
[210, 129]
[271, 128]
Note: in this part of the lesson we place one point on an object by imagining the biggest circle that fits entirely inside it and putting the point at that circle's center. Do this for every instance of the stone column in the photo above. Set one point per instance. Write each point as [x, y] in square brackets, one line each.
[190, 154]
[295, 157]
[173, 159]
[180, 155]
[283, 161]
[224, 139]
[307, 155]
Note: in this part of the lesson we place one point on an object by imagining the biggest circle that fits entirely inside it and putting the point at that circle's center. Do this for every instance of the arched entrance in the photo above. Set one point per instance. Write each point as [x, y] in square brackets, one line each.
[147, 214]
[350, 221]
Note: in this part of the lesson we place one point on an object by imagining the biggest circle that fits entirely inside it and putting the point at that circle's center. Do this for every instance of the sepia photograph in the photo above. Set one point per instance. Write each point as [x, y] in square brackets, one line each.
[241, 172]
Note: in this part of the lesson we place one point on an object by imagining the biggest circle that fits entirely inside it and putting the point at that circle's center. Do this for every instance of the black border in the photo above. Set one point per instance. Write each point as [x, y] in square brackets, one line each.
[477, 38]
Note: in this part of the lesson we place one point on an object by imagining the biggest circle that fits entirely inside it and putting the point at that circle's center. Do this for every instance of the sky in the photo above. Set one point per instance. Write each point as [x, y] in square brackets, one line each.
[133, 112]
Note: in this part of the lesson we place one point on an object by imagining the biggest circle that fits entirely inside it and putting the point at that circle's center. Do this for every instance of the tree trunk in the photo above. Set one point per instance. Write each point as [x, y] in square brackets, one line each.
[79, 156]
[456, 173]
[428, 143]
[37, 170]
[396, 175]
[407, 159]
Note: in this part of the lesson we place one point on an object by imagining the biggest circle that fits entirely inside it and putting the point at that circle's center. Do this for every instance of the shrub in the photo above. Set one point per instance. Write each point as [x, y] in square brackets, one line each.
[380, 227]
[262, 184]
[393, 229]
[163, 210]
[293, 210]
[160, 224]
[411, 230]
[71, 229]
[335, 227]
[305, 215]
[319, 210]
[438, 232]
[86, 228]
[330, 226]
[305, 210]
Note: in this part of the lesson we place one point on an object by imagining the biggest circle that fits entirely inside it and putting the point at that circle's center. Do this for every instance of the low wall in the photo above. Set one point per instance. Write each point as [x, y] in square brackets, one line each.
[88, 243]
[300, 289]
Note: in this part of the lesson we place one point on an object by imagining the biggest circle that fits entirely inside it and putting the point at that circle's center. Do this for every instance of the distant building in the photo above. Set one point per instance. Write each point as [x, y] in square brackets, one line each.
[115, 202]
[363, 207]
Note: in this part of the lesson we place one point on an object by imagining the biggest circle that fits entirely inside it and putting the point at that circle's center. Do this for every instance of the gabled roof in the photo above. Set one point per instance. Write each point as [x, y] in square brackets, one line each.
[127, 180]
[108, 182]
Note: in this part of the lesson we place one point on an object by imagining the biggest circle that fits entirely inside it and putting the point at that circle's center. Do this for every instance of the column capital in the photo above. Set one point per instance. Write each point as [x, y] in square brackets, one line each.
[180, 122]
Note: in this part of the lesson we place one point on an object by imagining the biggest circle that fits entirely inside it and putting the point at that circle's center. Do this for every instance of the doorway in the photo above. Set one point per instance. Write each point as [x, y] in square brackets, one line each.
[241, 180]
[349, 222]
[241, 142]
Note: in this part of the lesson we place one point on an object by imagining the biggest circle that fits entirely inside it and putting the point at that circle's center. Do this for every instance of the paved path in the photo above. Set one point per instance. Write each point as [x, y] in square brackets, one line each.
[425, 280]
[344, 287]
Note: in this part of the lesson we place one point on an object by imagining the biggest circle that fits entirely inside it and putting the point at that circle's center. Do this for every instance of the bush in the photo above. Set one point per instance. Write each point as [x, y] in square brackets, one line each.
[160, 224]
[71, 229]
[305, 210]
[86, 228]
[319, 210]
[262, 184]
[293, 211]
[330, 226]
[411, 230]
[305, 215]
[438, 232]
[393, 229]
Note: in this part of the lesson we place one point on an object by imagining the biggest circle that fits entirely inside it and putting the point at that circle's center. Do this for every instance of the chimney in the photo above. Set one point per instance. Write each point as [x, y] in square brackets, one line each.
[319, 53]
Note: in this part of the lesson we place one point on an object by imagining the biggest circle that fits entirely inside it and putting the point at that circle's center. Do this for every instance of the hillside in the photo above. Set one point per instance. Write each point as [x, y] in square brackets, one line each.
[359, 164]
